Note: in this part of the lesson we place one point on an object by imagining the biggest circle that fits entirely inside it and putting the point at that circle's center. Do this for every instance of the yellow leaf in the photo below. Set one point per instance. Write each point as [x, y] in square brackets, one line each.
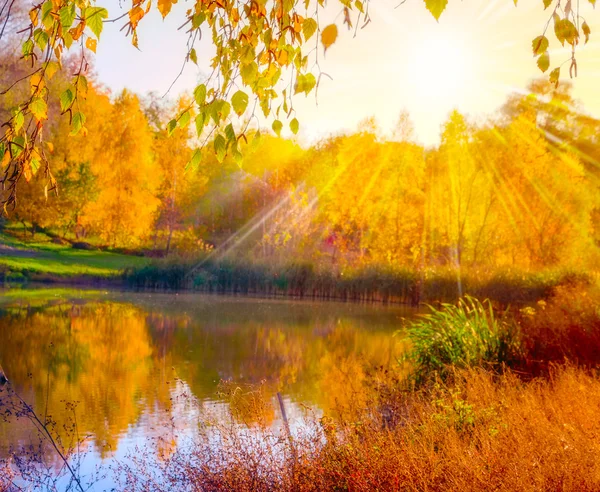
[329, 35]
[164, 6]
[37, 82]
[135, 15]
[33, 15]
[282, 57]
[91, 44]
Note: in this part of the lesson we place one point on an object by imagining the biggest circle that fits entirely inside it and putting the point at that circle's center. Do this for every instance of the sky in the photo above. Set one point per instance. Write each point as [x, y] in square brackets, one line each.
[476, 54]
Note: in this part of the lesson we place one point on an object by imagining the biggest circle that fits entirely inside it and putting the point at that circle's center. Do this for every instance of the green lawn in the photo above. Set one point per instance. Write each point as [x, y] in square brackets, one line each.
[56, 259]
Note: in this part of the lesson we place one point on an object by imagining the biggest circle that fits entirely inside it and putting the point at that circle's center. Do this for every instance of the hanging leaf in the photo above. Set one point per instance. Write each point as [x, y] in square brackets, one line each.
[220, 147]
[67, 16]
[239, 101]
[329, 35]
[184, 119]
[586, 31]
[77, 123]
[539, 45]
[39, 109]
[91, 44]
[277, 127]
[309, 27]
[164, 6]
[94, 17]
[544, 61]
[230, 133]
[200, 94]
[436, 7]
[294, 126]
[194, 56]
[195, 160]
[171, 127]
[555, 76]
[66, 100]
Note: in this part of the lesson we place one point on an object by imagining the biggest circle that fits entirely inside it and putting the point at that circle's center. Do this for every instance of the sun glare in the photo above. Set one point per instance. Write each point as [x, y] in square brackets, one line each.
[442, 69]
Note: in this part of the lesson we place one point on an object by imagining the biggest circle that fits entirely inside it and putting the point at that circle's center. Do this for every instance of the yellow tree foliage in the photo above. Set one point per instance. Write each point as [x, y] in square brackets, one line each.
[258, 47]
[128, 176]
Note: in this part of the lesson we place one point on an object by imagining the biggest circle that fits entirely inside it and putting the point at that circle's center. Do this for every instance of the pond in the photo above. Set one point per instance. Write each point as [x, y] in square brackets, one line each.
[115, 369]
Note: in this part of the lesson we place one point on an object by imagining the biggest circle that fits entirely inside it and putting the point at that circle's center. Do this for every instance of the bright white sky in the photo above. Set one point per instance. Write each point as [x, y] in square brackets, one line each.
[404, 59]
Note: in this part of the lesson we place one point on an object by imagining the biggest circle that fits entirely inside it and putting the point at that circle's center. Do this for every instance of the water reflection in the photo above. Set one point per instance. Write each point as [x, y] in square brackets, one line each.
[129, 361]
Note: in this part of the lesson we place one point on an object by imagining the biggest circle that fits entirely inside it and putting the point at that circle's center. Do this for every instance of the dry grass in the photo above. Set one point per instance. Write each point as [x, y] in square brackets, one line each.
[478, 432]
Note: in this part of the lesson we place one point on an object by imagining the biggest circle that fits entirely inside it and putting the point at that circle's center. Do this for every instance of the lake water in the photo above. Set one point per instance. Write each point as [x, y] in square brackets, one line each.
[117, 369]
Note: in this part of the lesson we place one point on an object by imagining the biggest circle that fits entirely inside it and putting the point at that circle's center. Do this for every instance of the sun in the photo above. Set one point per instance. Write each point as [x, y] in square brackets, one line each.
[442, 69]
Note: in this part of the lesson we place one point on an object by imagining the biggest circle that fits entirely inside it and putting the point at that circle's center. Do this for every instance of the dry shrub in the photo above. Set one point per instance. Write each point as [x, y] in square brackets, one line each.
[475, 431]
[566, 326]
[6, 475]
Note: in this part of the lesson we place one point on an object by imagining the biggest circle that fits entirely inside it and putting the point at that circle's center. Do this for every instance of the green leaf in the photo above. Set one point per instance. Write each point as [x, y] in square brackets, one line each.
[220, 147]
[66, 100]
[41, 38]
[547, 3]
[277, 127]
[305, 83]
[171, 127]
[35, 166]
[195, 160]
[17, 145]
[200, 94]
[82, 83]
[436, 7]
[294, 126]
[555, 76]
[194, 56]
[39, 109]
[249, 72]
[46, 9]
[94, 17]
[539, 45]
[67, 16]
[309, 27]
[27, 48]
[18, 121]
[239, 101]
[230, 133]
[184, 119]
[200, 120]
[198, 19]
[77, 123]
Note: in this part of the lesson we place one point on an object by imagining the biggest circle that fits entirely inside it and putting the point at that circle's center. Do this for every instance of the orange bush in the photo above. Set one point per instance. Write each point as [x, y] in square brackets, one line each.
[566, 326]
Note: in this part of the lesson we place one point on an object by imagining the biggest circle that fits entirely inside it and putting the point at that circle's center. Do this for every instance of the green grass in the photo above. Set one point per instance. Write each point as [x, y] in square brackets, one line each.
[465, 335]
[63, 261]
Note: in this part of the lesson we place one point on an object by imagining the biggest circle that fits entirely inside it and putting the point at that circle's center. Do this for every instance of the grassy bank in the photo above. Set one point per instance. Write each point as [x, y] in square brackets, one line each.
[367, 284]
[46, 261]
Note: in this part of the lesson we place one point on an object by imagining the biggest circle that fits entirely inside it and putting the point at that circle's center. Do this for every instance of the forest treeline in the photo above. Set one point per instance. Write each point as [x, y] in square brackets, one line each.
[519, 190]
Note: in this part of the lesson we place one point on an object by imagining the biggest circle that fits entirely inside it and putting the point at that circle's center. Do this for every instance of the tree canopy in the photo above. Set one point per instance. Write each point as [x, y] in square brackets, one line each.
[265, 54]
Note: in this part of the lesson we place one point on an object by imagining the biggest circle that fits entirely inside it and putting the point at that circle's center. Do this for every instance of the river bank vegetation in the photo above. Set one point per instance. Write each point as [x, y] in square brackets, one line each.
[510, 406]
